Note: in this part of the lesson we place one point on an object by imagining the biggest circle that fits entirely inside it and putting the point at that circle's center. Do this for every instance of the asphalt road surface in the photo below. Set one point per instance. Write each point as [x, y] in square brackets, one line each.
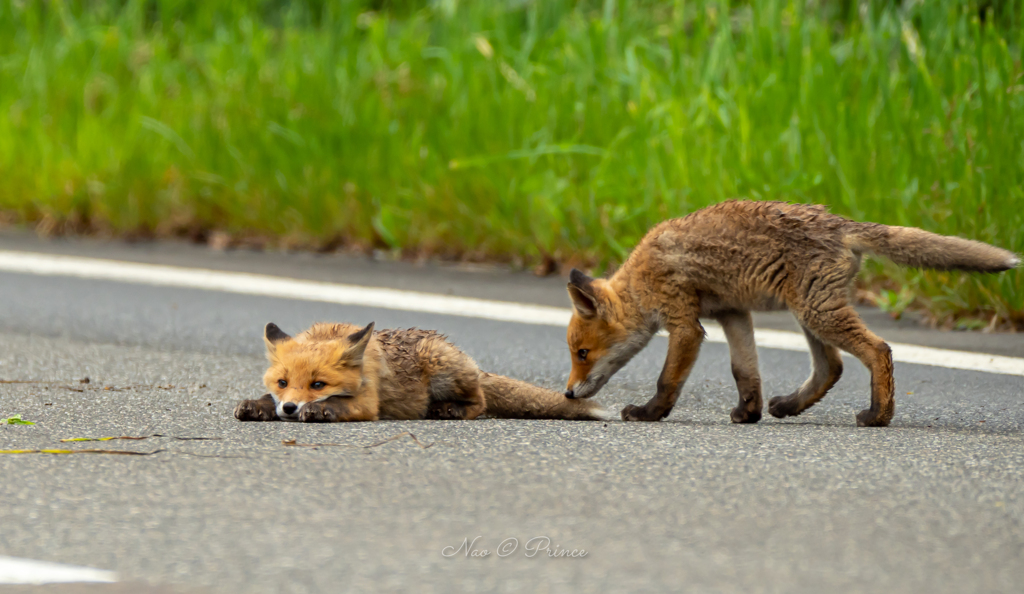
[933, 503]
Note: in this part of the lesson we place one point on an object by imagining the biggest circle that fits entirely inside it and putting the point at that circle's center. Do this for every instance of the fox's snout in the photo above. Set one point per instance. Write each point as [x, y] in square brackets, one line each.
[288, 410]
[583, 381]
[578, 376]
[585, 388]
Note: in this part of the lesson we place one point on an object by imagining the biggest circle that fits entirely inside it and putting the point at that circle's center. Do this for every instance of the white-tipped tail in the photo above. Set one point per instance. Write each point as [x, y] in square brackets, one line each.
[910, 246]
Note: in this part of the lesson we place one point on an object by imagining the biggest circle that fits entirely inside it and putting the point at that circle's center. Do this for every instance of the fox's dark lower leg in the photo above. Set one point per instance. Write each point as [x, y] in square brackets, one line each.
[826, 369]
[844, 328]
[464, 402]
[328, 410]
[739, 333]
[448, 410]
[683, 346]
[263, 409]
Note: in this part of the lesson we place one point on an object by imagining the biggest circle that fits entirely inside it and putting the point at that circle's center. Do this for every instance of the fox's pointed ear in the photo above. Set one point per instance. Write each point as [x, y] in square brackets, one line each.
[582, 293]
[358, 341]
[272, 335]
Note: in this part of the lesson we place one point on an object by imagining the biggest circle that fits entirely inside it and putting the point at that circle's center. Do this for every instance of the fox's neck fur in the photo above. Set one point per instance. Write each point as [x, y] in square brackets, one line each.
[638, 318]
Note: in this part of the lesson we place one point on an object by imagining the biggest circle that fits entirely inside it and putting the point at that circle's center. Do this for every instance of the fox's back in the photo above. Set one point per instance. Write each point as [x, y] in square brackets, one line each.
[403, 350]
[752, 228]
[746, 255]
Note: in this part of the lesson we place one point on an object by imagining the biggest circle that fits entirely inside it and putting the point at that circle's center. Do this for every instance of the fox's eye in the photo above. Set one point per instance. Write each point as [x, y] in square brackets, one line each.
[582, 354]
[317, 385]
[282, 383]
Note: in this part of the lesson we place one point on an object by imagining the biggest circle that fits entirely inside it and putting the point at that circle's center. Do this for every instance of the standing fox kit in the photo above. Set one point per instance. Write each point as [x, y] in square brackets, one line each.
[727, 260]
[341, 372]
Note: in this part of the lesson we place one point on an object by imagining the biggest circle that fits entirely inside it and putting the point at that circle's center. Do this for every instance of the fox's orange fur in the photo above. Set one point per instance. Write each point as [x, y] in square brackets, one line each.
[340, 372]
[726, 260]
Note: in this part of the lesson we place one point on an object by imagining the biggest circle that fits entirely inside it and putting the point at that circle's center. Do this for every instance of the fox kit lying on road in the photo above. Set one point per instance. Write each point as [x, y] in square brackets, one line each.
[340, 372]
[728, 259]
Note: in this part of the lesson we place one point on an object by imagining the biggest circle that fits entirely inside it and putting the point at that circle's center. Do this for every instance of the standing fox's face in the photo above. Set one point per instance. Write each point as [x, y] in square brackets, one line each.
[307, 371]
[601, 339]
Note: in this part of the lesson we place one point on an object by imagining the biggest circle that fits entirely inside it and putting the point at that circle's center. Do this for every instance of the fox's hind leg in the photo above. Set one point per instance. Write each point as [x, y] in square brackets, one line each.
[843, 328]
[739, 332]
[826, 368]
[464, 402]
[454, 382]
[470, 394]
[449, 410]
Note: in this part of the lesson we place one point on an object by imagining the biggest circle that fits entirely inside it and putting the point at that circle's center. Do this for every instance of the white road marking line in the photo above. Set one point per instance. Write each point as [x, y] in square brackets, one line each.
[30, 571]
[521, 313]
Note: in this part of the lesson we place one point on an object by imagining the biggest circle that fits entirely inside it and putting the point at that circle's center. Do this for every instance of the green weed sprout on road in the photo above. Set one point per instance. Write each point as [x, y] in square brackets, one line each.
[517, 130]
[15, 420]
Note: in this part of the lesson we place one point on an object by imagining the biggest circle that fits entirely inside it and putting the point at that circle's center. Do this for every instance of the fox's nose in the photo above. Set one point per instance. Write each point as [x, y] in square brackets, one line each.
[289, 408]
[570, 394]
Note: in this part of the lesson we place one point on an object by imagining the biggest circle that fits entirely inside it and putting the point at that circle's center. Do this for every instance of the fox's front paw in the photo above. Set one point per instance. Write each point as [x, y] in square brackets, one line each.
[641, 413]
[257, 410]
[318, 412]
[745, 414]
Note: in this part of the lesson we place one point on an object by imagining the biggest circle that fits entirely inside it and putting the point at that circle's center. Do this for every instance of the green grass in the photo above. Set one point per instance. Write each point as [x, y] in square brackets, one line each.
[517, 129]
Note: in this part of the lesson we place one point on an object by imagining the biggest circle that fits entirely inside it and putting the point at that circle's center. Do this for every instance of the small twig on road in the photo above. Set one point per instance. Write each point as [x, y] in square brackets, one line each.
[99, 438]
[81, 381]
[211, 455]
[400, 435]
[293, 443]
[87, 381]
[141, 438]
[117, 452]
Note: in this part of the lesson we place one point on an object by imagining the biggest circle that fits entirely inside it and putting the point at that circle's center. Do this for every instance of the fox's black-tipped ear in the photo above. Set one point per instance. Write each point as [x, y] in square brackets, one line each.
[359, 341]
[582, 293]
[274, 334]
[580, 280]
[362, 335]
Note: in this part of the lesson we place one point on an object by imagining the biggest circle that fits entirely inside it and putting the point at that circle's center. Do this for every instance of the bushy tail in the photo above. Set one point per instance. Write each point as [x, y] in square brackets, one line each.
[910, 246]
[513, 399]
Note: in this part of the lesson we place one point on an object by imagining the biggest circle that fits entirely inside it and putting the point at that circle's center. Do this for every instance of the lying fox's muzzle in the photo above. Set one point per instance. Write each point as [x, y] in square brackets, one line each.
[288, 411]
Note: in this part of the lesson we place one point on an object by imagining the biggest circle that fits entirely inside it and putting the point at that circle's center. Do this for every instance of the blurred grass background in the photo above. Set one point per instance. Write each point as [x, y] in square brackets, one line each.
[518, 130]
